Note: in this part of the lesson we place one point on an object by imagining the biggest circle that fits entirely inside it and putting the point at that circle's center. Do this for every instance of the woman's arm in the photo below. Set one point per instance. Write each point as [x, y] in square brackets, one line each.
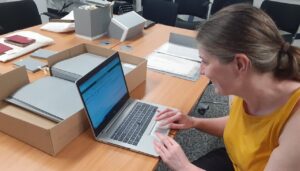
[177, 120]
[214, 126]
[286, 156]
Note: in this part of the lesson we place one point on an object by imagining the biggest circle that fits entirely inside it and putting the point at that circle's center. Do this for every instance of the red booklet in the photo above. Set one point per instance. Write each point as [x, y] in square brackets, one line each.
[19, 40]
[4, 48]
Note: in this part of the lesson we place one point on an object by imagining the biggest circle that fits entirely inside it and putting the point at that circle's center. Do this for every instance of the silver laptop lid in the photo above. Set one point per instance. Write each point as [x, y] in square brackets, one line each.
[103, 92]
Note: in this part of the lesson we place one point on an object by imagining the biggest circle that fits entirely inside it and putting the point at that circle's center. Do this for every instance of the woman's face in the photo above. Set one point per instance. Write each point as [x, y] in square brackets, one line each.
[221, 75]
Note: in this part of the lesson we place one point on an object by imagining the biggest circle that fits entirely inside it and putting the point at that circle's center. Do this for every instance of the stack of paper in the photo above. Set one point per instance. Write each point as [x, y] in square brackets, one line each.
[179, 51]
[62, 25]
[74, 68]
[179, 57]
[177, 66]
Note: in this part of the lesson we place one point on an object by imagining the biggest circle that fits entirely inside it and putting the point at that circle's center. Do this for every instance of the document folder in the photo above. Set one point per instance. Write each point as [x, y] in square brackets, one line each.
[74, 68]
[50, 97]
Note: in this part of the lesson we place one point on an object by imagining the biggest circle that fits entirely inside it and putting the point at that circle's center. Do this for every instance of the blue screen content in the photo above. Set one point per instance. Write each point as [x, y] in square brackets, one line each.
[102, 91]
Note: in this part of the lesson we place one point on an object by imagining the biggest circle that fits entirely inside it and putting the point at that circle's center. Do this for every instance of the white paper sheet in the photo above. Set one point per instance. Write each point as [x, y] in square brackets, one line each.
[180, 51]
[174, 65]
[59, 27]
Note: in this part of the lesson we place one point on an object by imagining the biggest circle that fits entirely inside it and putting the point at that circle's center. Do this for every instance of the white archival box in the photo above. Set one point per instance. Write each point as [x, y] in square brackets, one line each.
[126, 26]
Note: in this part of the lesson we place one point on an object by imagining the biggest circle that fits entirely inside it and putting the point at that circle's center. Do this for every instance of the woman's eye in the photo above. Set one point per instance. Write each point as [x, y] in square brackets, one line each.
[204, 62]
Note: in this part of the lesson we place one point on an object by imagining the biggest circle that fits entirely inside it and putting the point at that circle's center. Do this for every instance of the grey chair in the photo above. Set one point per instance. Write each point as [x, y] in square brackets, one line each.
[285, 15]
[192, 8]
[18, 15]
[202, 9]
[219, 4]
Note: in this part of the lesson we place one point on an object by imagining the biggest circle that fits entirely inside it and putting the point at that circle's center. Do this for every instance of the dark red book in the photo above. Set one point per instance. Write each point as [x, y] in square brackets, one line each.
[19, 40]
[4, 48]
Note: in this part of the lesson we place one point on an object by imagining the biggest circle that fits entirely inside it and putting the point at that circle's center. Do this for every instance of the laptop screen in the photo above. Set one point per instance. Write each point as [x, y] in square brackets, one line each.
[103, 92]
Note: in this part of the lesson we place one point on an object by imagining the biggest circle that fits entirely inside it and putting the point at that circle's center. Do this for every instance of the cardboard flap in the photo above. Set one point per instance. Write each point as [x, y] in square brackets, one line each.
[131, 59]
[23, 131]
[77, 50]
[12, 81]
[74, 126]
[97, 50]
[26, 116]
[68, 53]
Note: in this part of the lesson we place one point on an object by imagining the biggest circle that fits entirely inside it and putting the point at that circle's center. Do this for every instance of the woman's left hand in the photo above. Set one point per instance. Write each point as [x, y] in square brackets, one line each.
[171, 153]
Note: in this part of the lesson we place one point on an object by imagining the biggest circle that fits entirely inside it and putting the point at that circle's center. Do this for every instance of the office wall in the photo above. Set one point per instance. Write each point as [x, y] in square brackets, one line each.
[58, 4]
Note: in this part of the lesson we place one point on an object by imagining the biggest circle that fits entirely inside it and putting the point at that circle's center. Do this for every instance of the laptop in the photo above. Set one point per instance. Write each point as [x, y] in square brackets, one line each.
[114, 117]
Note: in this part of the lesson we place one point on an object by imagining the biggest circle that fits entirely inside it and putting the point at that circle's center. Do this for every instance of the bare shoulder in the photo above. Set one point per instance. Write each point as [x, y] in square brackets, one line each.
[291, 129]
[292, 125]
[286, 155]
[290, 135]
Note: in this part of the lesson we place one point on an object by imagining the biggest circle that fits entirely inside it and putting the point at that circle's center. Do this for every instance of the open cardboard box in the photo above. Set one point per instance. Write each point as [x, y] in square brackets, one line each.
[40, 132]
[134, 78]
[33, 129]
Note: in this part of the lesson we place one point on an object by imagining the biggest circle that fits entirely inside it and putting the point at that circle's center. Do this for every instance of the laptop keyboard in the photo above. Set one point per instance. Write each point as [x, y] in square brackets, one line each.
[134, 125]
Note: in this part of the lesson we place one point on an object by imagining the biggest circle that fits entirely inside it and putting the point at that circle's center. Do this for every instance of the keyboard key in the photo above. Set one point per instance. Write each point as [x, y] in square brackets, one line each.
[134, 125]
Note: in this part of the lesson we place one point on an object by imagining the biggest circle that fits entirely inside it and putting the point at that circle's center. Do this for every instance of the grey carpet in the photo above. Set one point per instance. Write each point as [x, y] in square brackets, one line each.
[195, 143]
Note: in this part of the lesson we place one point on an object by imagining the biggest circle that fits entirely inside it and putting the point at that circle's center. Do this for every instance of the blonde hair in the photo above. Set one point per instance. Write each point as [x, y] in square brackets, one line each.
[242, 28]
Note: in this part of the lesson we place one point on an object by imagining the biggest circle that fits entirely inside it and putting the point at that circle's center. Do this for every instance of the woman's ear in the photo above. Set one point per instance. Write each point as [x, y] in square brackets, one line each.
[242, 62]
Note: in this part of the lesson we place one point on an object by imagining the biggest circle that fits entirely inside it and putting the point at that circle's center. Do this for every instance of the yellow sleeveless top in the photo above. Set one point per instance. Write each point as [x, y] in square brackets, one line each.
[249, 139]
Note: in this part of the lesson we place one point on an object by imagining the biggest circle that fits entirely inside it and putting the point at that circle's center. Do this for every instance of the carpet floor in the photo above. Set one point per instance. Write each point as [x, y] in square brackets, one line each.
[194, 142]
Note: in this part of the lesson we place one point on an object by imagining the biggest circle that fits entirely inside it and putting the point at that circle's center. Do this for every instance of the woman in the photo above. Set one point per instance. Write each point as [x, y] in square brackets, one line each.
[244, 55]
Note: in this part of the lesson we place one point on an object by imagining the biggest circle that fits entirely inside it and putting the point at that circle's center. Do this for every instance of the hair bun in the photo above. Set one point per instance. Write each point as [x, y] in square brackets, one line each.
[285, 47]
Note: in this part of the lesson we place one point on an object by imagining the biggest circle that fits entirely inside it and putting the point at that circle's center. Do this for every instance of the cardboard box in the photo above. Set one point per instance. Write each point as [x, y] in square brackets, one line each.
[93, 23]
[133, 78]
[40, 132]
[126, 26]
[33, 129]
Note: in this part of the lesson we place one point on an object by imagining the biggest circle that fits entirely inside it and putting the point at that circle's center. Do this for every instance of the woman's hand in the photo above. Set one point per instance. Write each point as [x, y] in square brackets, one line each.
[175, 119]
[171, 153]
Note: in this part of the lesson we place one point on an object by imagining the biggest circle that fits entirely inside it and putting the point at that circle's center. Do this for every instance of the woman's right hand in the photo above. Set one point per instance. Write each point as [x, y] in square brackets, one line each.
[174, 119]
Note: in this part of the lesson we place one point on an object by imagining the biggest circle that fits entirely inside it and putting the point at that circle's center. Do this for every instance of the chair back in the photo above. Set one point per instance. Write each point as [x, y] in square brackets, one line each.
[18, 15]
[219, 4]
[285, 15]
[197, 8]
[160, 11]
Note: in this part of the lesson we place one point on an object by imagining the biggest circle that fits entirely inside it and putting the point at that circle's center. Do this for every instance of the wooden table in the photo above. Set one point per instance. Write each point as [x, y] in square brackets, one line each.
[84, 153]
[164, 89]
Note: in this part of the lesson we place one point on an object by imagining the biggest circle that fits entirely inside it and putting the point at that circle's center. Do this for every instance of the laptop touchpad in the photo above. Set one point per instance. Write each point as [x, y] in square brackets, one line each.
[160, 129]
